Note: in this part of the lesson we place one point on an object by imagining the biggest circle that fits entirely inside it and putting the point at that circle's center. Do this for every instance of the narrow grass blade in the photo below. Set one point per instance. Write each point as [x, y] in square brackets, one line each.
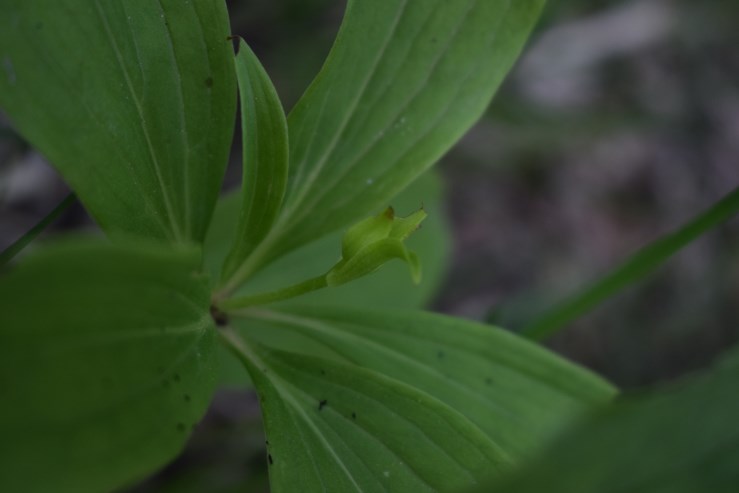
[634, 269]
[9, 253]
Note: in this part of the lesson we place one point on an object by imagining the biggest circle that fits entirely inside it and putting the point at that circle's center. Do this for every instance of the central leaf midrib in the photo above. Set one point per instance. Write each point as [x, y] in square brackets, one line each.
[296, 198]
[402, 418]
[343, 201]
[310, 324]
[320, 194]
[174, 223]
[73, 92]
[94, 337]
[183, 122]
[517, 365]
[281, 388]
[152, 386]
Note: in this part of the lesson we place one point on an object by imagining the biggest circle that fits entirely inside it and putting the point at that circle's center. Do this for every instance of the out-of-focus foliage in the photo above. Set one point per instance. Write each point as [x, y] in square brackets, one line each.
[71, 319]
[684, 439]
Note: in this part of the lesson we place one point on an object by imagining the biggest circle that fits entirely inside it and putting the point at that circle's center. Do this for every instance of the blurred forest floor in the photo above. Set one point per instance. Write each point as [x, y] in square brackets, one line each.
[620, 122]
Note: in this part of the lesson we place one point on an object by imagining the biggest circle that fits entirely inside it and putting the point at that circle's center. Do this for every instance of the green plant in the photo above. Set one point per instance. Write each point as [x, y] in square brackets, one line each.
[110, 349]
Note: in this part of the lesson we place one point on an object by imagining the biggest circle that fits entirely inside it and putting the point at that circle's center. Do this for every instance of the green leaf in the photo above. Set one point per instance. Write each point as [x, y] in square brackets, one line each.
[265, 157]
[516, 392]
[684, 439]
[133, 102]
[338, 427]
[641, 264]
[106, 362]
[404, 80]
[389, 287]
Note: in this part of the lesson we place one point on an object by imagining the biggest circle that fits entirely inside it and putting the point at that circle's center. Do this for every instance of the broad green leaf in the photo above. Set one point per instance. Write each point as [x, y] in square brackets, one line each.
[133, 102]
[404, 80]
[337, 427]
[265, 157]
[106, 362]
[389, 287]
[684, 439]
[516, 392]
[642, 263]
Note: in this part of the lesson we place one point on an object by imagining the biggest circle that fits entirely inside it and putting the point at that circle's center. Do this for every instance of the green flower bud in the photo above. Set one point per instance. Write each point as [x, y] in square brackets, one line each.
[374, 241]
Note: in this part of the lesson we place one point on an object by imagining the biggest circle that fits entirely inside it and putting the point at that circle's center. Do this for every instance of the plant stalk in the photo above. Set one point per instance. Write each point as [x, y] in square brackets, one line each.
[301, 288]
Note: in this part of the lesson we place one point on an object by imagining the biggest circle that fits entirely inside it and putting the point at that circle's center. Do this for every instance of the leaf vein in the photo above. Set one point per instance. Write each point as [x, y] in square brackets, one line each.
[142, 121]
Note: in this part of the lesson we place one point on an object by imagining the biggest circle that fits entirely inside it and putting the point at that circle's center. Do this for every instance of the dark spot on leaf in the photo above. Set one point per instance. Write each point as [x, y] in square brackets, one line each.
[209, 82]
[323, 372]
[181, 427]
[354, 415]
[176, 377]
[440, 355]
[434, 40]
[186, 397]
[269, 458]
[39, 25]
[488, 381]
[266, 442]
[219, 318]
[321, 404]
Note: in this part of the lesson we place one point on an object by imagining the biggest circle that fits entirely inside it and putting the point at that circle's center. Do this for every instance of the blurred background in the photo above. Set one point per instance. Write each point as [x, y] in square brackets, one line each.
[619, 123]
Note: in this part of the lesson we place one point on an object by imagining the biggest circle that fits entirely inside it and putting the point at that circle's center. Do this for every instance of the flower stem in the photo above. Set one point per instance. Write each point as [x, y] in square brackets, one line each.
[301, 288]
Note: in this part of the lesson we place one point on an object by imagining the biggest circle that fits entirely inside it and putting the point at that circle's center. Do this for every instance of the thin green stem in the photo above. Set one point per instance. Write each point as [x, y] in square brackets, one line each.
[236, 345]
[634, 269]
[9, 253]
[240, 348]
[304, 287]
